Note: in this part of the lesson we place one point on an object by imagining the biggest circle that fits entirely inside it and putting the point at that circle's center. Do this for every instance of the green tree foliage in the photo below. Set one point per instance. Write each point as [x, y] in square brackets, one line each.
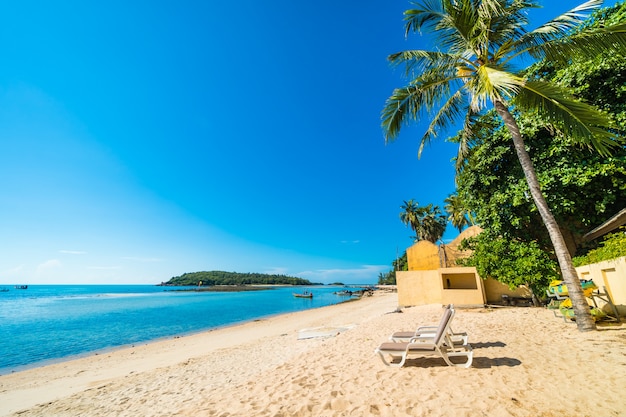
[427, 222]
[583, 188]
[209, 278]
[458, 214]
[389, 277]
[473, 68]
[613, 246]
[510, 261]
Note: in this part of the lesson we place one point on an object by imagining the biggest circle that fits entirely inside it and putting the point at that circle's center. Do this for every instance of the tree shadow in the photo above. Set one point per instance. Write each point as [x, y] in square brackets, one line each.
[485, 363]
[478, 362]
[482, 345]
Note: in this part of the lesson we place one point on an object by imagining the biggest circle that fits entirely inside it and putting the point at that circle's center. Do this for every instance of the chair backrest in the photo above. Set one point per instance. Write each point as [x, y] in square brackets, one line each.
[446, 319]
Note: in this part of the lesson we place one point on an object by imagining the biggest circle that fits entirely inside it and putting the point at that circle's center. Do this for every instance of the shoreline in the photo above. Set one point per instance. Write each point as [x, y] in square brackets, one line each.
[66, 377]
[527, 363]
[111, 349]
[26, 353]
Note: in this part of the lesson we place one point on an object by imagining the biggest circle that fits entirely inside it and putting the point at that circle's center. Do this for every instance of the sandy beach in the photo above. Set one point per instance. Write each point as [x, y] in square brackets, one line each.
[526, 363]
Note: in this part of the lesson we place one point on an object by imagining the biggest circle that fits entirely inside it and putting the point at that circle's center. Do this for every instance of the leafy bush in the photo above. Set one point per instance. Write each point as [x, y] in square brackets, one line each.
[613, 246]
[510, 261]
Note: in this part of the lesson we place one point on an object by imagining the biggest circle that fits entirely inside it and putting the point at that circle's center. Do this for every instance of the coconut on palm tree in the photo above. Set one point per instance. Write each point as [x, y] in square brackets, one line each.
[481, 44]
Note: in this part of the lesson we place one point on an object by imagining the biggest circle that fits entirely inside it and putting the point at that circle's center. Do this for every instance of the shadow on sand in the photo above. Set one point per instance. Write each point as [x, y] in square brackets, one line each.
[483, 345]
[479, 362]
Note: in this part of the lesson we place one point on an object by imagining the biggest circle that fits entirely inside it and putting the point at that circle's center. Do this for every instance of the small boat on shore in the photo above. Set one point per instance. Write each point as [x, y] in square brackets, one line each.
[305, 294]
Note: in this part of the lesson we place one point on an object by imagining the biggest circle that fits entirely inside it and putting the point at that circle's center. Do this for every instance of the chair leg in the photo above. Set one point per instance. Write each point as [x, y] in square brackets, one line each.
[391, 363]
[467, 353]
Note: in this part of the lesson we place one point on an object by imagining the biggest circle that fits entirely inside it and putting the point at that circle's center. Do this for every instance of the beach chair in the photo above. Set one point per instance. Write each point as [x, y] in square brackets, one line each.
[423, 333]
[439, 345]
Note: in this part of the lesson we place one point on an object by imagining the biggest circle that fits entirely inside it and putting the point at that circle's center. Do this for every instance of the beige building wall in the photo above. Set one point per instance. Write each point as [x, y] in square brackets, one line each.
[459, 286]
[494, 291]
[423, 256]
[434, 277]
[418, 287]
[610, 277]
[451, 253]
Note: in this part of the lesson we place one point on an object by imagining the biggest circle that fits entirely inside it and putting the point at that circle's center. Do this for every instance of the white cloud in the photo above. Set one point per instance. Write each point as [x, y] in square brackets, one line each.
[350, 242]
[18, 270]
[48, 266]
[73, 252]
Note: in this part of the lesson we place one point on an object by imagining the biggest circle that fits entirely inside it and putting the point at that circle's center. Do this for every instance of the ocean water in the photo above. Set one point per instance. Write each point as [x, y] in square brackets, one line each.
[48, 323]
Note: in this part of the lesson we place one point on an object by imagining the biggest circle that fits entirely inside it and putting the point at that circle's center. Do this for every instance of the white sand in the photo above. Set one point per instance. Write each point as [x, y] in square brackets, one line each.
[526, 363]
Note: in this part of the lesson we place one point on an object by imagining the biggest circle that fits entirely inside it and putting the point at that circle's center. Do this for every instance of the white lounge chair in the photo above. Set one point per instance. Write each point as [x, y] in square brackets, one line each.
[425, 332]
[439, 345]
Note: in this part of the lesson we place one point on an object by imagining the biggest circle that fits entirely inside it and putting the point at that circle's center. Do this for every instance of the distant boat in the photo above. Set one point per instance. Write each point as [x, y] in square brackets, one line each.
[4, 289]
[306, 294]
[21, 287]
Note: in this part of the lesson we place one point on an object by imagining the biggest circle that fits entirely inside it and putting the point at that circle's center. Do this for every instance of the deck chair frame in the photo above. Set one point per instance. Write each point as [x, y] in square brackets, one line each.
[439, 345]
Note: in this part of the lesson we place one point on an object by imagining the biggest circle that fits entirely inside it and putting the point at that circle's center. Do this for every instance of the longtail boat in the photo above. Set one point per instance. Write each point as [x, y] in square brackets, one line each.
[306, 294]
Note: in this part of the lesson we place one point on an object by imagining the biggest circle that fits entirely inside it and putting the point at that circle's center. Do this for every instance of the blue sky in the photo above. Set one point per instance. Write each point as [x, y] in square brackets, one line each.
[141, 140]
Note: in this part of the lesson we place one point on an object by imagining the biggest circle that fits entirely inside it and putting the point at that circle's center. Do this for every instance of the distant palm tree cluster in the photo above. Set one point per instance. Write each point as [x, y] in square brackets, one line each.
[429, 223]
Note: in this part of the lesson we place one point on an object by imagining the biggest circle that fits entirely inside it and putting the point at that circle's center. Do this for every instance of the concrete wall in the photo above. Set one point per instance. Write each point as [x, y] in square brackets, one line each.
[459, 286]
[610, 275]
[433, 277]
[423, 256]
[418, 287]
[494, 291]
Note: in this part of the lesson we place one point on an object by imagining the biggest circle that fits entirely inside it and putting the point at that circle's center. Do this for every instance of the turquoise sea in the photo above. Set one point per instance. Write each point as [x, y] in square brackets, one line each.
[48, 323]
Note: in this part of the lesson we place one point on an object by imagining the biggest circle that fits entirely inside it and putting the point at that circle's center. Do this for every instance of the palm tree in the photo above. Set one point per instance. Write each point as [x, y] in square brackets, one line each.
[481, 41]
[427, 222]
[432, 224]
[457, 213]
[410, 216]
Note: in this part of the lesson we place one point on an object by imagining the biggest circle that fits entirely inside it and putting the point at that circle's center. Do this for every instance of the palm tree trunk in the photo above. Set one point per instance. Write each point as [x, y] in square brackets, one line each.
[584, 321]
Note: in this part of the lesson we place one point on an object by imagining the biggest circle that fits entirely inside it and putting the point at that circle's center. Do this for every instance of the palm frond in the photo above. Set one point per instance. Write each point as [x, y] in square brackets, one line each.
[536, 42]
[569, 20]
[425, 15]
[582, 122]
[420, 97]
[448, 113]
[419, 61]
[466, 138]
[610, 39]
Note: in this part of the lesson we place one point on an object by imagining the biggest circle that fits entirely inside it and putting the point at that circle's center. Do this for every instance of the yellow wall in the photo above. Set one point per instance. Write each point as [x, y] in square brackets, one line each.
[609, 275]
[418, 287]
[494, 291]
[460, 286]
[426, 282]
[423, 256]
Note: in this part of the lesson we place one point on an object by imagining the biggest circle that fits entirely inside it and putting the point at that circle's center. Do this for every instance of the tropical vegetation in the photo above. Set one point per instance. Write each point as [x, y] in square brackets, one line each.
[458, 214]
[427, 222]
[584, 188]
[613, 246]
[480, 44]
[210, 278]
[389, 277]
